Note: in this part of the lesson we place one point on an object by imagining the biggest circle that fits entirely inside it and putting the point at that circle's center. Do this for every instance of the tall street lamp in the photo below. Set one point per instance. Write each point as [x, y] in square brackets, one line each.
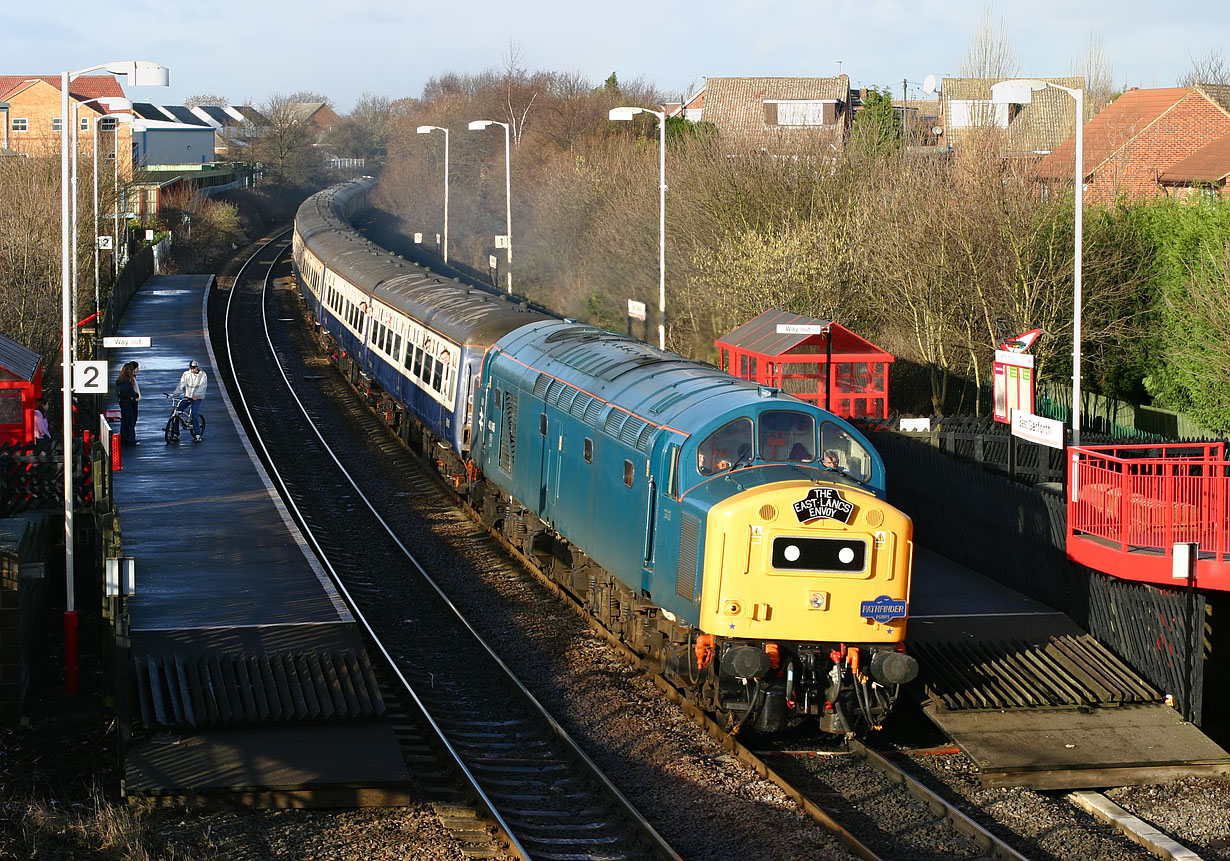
[479, 125]
[110, 103]
[426, 130]
[141, 73]
[627, 114]
[1020, 92]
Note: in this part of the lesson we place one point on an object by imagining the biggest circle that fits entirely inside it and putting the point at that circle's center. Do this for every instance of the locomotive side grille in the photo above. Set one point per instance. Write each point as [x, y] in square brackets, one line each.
[685, 583]
[592, 410]
[581, 405]
[508, 434]
[642, 442]
[540, 385]
[614, 421]
[631, 430]
[566, 399]
[554, 390]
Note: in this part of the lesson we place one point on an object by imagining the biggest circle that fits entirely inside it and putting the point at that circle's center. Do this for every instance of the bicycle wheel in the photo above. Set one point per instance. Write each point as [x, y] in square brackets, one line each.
[169, 434]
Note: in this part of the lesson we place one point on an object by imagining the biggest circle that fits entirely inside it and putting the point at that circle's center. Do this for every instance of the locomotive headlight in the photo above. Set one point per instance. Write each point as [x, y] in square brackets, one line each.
[836, 555]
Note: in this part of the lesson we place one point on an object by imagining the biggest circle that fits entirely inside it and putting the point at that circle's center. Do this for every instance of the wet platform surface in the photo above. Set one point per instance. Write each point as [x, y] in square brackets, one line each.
[225, 589]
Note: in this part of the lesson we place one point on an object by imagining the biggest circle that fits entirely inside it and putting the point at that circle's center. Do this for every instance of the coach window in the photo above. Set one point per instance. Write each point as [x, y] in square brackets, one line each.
[589, 450]
[628, 473]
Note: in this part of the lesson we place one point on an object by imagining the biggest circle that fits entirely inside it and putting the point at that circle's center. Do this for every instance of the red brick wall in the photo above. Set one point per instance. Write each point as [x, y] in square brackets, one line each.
[39, 105]
[1133, 171]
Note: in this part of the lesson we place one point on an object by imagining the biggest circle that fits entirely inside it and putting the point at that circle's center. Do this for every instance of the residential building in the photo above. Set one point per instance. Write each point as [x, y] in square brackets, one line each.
[1027, 130]
[1204, 172]
[32, 121]
[1141, 137]
[775, 115]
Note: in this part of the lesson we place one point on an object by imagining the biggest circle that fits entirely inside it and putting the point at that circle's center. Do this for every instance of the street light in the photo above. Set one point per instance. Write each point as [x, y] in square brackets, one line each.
[110, 103]
[627, 114]
[140, 73]
[426, 130]
[1020, 92]
[479, 125]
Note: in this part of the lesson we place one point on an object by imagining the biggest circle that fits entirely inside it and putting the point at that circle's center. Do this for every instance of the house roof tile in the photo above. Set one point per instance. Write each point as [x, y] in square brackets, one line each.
[1116, 124]
[737, 104]
[1210, 163]
[85, 87]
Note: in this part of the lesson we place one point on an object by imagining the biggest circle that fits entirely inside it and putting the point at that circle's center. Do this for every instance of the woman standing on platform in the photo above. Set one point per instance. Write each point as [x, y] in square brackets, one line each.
[130, 393]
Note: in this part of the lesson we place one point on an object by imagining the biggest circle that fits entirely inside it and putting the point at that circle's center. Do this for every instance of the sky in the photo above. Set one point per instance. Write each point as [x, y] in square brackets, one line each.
[249, 51]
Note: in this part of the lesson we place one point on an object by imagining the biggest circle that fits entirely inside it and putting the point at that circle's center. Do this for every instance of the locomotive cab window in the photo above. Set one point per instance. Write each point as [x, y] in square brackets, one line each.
[787, 436]
[840, 452]
[726, 446]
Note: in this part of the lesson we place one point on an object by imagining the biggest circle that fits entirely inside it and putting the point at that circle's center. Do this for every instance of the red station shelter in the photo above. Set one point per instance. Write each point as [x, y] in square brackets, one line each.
[819, 361]
[21, 385]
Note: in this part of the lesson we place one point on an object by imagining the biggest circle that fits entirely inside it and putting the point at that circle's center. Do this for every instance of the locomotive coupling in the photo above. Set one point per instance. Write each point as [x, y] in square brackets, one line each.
[889, 667]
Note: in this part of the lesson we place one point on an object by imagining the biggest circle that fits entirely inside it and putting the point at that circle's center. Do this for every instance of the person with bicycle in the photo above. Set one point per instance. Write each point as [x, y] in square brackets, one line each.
[191, 388]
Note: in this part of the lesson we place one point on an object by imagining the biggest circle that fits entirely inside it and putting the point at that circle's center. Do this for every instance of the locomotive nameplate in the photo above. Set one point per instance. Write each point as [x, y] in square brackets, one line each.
[823, 502]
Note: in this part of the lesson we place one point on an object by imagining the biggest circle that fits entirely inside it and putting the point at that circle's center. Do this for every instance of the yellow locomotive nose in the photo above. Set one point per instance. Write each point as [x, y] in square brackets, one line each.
[804, 561]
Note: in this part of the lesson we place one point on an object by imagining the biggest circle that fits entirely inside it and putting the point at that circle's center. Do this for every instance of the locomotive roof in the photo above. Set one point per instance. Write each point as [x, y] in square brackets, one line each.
[658, 387]
[464, 314]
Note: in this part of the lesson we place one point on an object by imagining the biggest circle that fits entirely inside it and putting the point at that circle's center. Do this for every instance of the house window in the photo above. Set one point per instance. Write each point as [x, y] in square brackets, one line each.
[801, 113]
[56, 124]
[84, 123]
[21, 124]
[980, 113]
[107, 124]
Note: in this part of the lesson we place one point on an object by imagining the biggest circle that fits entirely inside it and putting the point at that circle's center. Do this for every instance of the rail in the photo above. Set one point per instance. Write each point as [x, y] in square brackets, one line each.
[1137, 501]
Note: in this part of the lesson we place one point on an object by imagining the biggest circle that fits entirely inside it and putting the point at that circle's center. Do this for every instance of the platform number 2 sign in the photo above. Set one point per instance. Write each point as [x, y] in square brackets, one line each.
[90, 378]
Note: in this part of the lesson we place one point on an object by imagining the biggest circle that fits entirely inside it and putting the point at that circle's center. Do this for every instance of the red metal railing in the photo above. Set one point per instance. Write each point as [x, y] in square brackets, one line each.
[1139, 500]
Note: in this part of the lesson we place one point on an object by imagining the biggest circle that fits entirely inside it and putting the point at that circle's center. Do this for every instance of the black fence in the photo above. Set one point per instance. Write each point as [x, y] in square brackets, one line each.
[1016, 535]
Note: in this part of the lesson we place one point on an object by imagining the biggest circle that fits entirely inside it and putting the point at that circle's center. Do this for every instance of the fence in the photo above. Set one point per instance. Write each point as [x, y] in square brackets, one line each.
[1016, 535]
[1117, 419]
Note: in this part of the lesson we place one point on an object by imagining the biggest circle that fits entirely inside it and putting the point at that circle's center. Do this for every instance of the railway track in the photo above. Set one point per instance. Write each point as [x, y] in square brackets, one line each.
[896, 816]
[465, 715]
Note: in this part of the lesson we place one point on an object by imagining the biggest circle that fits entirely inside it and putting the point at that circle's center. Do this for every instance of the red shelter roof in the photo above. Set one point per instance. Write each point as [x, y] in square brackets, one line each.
[820, 361]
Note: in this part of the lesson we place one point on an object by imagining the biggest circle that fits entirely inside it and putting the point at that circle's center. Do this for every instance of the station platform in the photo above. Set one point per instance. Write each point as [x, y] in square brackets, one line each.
[248, 674]
[1032, 698]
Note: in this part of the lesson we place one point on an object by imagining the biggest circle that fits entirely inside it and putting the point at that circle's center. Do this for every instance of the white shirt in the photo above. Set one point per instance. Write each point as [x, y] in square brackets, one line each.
[192, 384]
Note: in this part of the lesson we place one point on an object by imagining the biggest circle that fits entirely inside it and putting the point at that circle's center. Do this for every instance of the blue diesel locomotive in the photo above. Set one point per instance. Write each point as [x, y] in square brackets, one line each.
[735, 537]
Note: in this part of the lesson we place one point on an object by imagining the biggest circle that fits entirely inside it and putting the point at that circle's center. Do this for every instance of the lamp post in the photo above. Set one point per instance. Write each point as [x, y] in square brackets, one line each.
[110, 103]
[113, 104]
[140, 73]
[1020, 91]
[426, 130]
[4, 106]
[478, 125]
[627, 114]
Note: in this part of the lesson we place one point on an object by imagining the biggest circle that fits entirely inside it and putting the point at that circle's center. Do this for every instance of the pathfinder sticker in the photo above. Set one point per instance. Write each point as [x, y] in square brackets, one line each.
[883, 609]
[823, 502]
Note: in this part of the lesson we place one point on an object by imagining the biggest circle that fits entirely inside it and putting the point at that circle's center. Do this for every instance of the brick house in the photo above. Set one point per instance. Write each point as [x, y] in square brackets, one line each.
[1029, 130]
[1203, 172]
[32, 121]
[775, 114]
[1141, 136]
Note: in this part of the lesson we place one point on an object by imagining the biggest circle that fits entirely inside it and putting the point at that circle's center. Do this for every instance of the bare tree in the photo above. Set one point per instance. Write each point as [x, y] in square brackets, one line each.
[206, 99]
[1096, 69]
[989, 53]
[1213, 68]
[286, 145]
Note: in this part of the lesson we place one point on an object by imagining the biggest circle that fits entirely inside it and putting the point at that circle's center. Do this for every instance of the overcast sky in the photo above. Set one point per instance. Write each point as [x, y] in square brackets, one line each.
[247, 51]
